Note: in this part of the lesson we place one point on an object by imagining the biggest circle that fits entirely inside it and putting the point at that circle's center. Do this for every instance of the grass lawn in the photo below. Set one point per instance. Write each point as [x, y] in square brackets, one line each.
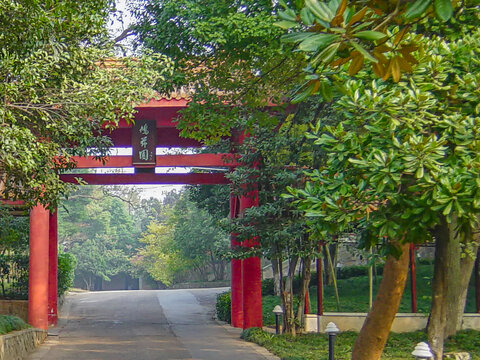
[353, 294]
[315, 346]
[354, 298]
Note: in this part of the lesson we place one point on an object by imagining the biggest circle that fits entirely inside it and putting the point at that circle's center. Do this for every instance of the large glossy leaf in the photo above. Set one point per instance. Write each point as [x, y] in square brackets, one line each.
[320, 10]
[443, 9]
[284, 24]
[317, 42]
[417, 8]
[362, 51]
[296, 37]
[369, 35]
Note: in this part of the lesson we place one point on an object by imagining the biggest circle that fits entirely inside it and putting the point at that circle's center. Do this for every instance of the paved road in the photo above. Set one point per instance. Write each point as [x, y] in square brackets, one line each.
[143, 325]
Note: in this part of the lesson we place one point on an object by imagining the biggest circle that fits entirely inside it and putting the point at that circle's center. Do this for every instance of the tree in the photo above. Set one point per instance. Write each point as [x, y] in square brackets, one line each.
[100, 232]
[59, 89]
[199, 238]
[159, 256]
[401, 164]
[228, 53]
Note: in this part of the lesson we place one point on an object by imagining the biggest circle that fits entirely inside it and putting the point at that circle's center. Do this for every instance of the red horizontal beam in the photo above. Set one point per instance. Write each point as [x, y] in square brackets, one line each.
[200, 160]
[151, 179]
[166, 137]
[12, 203]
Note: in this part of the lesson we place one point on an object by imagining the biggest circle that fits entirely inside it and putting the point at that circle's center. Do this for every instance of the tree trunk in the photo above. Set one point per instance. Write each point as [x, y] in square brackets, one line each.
[330, 271]
[276, 277]
[374, 333]
[287, 298]
[445, 284]
[306, 276]
[455, 313]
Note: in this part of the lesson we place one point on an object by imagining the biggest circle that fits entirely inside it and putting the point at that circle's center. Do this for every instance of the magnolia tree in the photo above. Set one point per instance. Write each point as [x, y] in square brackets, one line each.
[402, 163]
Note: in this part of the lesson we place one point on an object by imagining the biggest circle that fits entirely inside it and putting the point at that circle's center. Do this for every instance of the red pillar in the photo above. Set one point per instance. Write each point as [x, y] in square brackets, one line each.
[251, 274]
[413, 279]
[477, 282]
[38, 268]
[306, 308]
[236, 273]
[53, 270]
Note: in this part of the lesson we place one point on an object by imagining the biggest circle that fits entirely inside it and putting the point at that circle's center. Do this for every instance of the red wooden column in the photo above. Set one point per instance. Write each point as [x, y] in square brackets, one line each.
[38, 267]
[53, 270]
[251, 274]
[236, 273]
[477, 282]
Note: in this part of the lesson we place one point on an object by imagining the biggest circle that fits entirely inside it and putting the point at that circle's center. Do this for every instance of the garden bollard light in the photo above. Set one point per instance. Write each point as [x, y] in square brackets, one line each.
[278, 311]
[332, 331]
[422, 351]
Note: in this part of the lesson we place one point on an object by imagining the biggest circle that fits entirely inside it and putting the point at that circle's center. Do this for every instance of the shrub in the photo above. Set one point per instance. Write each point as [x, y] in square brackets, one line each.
[256, 335]
[267, 287]
[223, 307]
[10, 323]
[66, 271]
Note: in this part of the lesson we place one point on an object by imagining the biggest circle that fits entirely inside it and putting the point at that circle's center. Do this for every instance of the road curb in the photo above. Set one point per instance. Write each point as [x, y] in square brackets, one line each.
[259, 349]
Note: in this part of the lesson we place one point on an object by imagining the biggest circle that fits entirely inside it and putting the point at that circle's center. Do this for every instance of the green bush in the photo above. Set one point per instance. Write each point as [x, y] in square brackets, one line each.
[10, 323]
[346, 272]
[256, 335]
[66, 271]
[223, 306]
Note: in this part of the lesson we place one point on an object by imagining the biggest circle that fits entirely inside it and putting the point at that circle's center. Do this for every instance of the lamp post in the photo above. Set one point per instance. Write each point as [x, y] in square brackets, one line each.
[278, 311]
[332, 331]
[422, 351]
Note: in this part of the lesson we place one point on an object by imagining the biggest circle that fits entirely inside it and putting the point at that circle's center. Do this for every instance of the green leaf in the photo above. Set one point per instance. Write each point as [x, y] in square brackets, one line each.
[296, 37]
[443, 9]
[307, 91]
[307, 16]
[285, 24]
[448, 208]
[326, 91]
[288, 15]
[320, 10]
[370, 35]
[417, 8]
[317, 42]
[362, 51]
[326, 55]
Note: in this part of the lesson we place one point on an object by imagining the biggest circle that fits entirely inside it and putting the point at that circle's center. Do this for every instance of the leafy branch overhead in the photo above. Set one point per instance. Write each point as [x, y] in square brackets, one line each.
[339, 33]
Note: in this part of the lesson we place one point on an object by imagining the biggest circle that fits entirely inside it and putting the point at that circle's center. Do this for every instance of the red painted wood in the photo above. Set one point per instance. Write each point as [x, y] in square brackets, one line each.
[319, 282]
[12, 203]
[413, 279]
[477, 281]
[251, 274]
[166, 137]
[38, 267]
[200, 160]
[306, 309]
[132, 179]
[53, 270]
[236, 273]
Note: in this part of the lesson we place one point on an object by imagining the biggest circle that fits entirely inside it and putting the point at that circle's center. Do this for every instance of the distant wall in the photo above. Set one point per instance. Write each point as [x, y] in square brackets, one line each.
[15, 307]
[404, 322]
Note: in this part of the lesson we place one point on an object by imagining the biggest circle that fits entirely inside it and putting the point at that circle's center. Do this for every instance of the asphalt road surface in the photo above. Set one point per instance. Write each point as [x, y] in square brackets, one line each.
[144, 325]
